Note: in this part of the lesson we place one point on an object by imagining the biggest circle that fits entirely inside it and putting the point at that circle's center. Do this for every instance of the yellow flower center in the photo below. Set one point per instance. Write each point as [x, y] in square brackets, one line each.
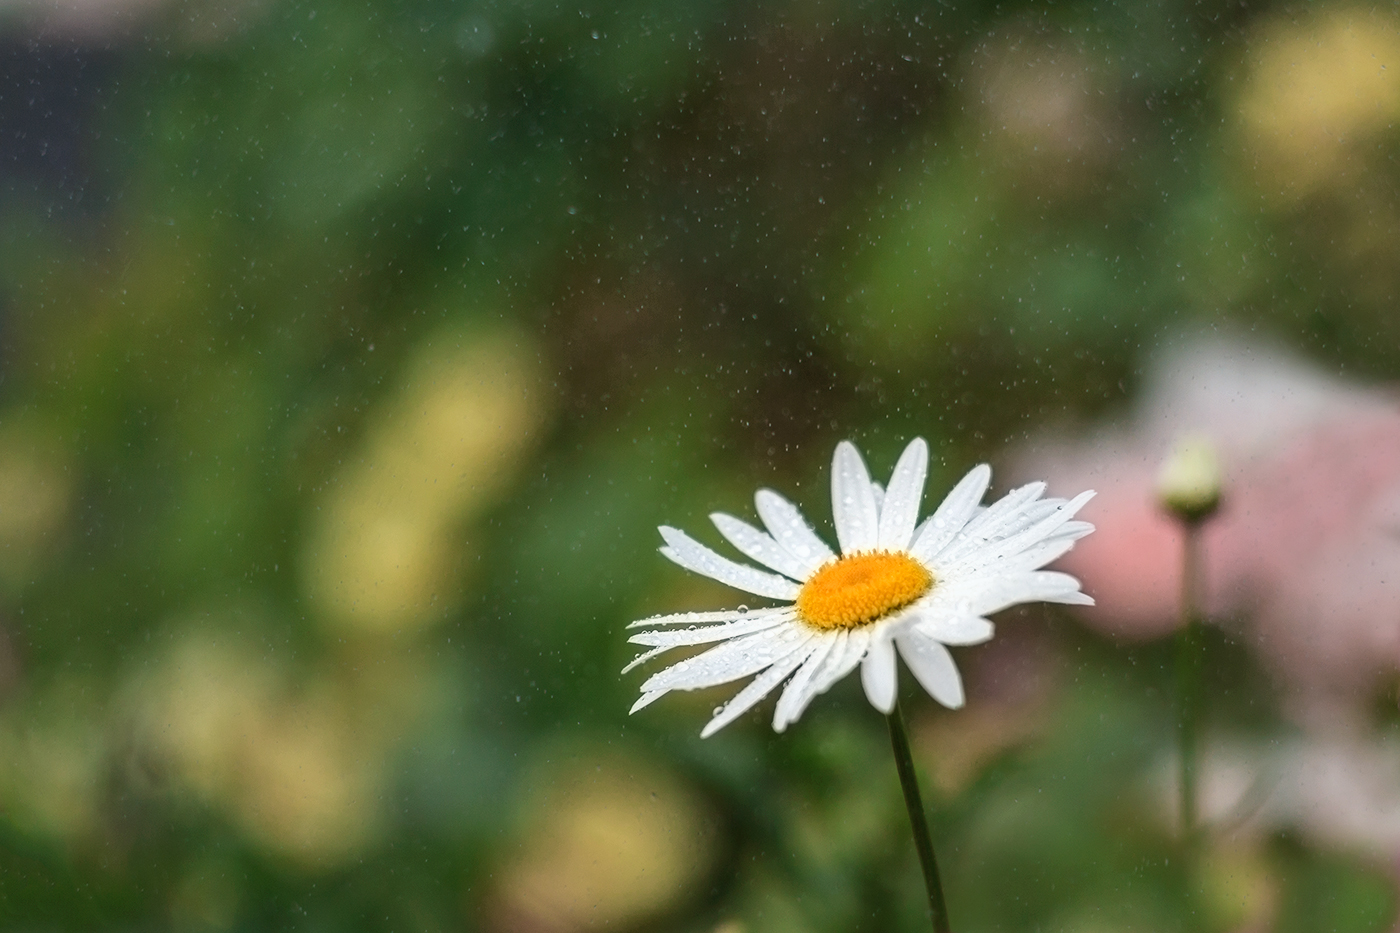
[861, 588]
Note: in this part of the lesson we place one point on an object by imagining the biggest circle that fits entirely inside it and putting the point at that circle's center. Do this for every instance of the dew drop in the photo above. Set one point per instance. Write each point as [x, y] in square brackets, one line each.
[743, 610]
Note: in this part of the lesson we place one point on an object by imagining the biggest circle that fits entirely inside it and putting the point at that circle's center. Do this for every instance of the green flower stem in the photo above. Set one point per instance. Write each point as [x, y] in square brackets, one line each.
[1189, 648]
[904, 764]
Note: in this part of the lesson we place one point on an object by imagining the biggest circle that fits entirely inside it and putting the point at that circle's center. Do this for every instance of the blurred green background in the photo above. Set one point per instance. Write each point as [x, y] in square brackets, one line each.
[352, 353]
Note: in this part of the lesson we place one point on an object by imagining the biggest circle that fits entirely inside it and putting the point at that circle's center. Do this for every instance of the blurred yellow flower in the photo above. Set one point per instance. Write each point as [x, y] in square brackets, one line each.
[1319, 89]
[611, 841]
[301, 769]
[384, 553]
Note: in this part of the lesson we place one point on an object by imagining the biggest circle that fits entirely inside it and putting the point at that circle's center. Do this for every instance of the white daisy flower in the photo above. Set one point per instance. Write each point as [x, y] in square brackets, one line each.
[896, 584]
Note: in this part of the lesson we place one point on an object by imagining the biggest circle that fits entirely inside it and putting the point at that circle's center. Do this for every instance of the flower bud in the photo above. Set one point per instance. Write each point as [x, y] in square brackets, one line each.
[1188, 485]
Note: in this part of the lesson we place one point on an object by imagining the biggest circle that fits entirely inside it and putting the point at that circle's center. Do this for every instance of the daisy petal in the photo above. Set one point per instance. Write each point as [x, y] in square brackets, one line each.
[1043, 528]
[797, 694]
[757, 689]
[1053, 583]
[878, 674]
[1006, 511]
[759, 546]
[1033, 558]
[900, 511]
[843, 658]
[695, 618]
[957, 630]
[728, 661]
[994, 523]
[645, 656]
[645, 700]
[953, 513]
[997, 592]
[791, 530]
[853, 505]
[692, 555]
[1053, 547]
[932, 666]
[1030, 515]
[674, 638]
[878, 492]
[1075, 529]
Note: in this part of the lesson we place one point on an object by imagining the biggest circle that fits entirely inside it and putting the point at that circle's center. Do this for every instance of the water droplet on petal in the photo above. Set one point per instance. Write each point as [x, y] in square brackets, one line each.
[743, 610]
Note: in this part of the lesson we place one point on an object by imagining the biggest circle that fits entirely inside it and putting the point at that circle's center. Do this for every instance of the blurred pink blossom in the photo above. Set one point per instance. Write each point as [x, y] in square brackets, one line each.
[1303, 557]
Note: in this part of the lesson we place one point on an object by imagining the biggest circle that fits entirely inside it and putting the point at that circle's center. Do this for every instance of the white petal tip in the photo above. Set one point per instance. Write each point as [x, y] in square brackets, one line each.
[640, 659]
[1081, 500]
[645, 700]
